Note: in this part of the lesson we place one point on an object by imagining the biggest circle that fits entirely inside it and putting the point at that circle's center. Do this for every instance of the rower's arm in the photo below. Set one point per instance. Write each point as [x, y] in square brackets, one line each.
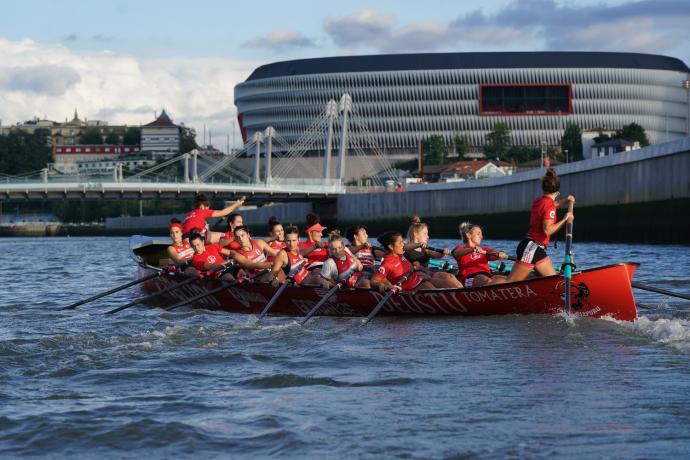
[267, 249]
[174, 255]
[381, 283]
[462, 252]
[279, 262]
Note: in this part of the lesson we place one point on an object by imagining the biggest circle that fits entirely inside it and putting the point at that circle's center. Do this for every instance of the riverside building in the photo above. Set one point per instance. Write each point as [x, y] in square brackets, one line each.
[407, 98]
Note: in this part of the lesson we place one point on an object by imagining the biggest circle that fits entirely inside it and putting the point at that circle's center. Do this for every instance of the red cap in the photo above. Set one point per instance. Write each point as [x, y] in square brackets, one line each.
[173, 225]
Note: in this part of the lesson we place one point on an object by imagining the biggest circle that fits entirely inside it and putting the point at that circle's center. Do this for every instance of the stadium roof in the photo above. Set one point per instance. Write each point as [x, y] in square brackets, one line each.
[489, 60]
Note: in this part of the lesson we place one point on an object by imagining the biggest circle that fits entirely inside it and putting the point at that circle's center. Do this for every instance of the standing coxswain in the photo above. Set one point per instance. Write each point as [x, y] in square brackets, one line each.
[531, 251]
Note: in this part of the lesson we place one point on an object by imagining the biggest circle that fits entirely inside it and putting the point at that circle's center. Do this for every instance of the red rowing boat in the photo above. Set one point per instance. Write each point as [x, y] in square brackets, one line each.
[597, 292]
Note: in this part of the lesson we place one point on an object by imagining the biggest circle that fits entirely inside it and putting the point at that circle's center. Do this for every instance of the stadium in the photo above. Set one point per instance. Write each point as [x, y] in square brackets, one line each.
[406, 98]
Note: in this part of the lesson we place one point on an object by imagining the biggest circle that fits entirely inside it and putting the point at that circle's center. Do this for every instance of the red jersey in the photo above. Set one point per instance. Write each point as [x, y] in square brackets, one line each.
[184, 250]
[543, 208]
[366, 256]
[474, 262]
[337, 269]
[317, 257]
[277, 245]
[255, 254]
[229, 235]
[196, 218]
[211, 255]
[394, 267]
[296, 267]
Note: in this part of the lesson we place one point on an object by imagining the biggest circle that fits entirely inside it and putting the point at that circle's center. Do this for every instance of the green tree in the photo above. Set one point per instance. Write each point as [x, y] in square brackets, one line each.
[112, 138]
[498, 141]
[572, 142]
[523, 153]
[21, 152]
[91, 137]
[187, 139]
[603, 137]
[435, 152]
[132, 136]
[462, 145]
[633, 132]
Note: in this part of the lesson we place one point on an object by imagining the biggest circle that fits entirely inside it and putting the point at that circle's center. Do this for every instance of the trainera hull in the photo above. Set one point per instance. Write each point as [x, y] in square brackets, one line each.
[598, 292]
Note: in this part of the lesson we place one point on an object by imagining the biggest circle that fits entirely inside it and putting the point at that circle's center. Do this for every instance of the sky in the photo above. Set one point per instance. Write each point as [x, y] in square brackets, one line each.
[124, 61]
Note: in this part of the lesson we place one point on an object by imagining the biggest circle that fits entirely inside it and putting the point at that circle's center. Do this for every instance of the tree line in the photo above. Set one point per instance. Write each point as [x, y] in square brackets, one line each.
[498, 144]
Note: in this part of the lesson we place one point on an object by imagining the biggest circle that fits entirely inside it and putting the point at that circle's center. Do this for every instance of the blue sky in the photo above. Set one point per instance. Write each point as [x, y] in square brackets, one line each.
[121, 61]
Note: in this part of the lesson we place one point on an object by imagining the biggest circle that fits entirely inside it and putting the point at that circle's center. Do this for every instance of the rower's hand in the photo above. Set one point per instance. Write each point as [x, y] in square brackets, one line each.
[416, 265]
[319, 245]
[383, 287]
[241, 200]
[503, 255]
[367, 245]
[478, 250]
[274, 282]
[569, 216]
[446, 251]
[571, 198]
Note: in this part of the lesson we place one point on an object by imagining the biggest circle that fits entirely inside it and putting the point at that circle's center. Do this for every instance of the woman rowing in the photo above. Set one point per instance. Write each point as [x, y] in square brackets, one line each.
[289, 262]
[255, 251]
[180, 250]
[418, 250]
[208, 256]
[196, 218]
[531, 252]
[342, 266]
[276, 235]
[313, 249]
[396, 270]
[473, 259]
[360, 247]
[234, 220]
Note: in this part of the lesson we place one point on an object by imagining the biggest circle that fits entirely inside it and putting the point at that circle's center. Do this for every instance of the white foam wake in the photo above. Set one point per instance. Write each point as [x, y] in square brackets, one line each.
[668, 331]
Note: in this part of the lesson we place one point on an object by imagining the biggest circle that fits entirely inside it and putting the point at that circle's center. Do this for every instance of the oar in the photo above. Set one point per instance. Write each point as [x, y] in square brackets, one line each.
[388, 295]
[273, 300]
[568, 271]
[496, 254]
[644, 287]
[113, 290]
[166, 290]
[214, 291]
[323, 300]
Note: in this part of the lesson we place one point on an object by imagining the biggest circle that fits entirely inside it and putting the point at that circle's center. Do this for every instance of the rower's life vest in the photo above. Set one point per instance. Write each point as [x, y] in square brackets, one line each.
[296, 267]
[393, 268]
[317, 257]
[346, 267]
[184, 250]
[366, 256]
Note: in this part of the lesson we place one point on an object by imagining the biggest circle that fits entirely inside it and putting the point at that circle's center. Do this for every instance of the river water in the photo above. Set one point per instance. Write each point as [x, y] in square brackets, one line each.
[199, 384]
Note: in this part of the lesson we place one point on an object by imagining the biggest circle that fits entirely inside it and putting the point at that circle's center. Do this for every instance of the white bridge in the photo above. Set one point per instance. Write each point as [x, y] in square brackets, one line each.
[185, 175]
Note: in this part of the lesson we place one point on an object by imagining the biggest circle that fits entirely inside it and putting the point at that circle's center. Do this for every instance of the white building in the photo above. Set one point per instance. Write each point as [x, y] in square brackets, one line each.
[161, 137]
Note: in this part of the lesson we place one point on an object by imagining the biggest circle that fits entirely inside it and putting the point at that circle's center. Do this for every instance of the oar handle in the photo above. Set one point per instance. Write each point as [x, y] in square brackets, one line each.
[497, 255]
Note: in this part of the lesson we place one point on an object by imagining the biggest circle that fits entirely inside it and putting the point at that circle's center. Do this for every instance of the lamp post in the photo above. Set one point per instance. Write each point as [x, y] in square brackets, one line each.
[566, 156]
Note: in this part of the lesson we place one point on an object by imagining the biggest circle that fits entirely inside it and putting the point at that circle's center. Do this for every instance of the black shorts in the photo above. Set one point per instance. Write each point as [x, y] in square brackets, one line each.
[531, 253]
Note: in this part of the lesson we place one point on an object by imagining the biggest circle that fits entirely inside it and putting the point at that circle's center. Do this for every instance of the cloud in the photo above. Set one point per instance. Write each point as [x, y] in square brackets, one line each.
[70, 38]
[365, 27]
[654, 26]
[103, 38]
[52, 79]
[279, 40]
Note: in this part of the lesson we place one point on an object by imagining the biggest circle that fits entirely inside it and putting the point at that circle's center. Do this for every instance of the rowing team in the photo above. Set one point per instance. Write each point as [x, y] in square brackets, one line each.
[350, 259]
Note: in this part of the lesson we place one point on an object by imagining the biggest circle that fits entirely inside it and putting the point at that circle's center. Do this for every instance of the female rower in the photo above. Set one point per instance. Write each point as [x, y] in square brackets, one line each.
[361, 248]
[289, 263]
[208, 256]
[276, 235]
[342, 266]
[531, 252]
[180, 250]
[417, 250]
[255, 251]
[473, 259]
[234, 220]
[313, 249]
[196, 218]
[395, 266]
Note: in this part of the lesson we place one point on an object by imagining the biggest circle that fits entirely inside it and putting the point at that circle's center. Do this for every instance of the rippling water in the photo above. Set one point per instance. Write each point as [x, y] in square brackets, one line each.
[211, 384]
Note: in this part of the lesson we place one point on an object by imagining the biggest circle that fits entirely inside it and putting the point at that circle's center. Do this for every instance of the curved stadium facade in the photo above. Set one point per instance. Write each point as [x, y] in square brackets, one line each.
[406, 98]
